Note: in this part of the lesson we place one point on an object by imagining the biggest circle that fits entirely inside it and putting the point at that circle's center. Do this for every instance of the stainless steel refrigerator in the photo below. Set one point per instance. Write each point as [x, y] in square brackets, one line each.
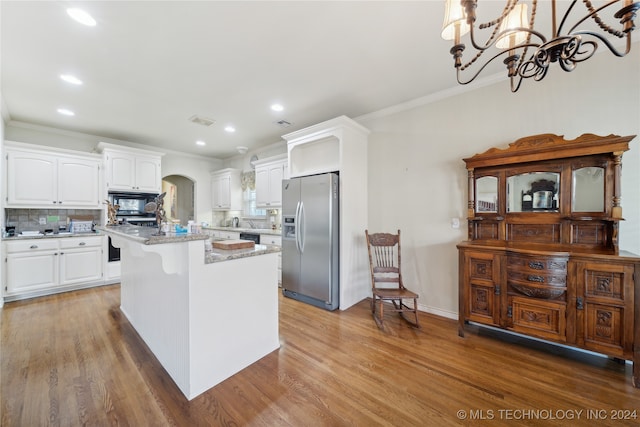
[310, 240]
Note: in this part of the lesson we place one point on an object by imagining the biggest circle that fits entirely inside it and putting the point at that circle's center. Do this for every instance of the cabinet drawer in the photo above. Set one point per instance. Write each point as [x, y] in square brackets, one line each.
[539, 264]
[80, 242]
[537, 278]
[539, 318]
[269, 239]
[31, 245]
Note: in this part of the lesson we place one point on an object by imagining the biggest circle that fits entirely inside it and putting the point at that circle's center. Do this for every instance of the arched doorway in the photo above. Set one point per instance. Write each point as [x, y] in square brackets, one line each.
[180, 198]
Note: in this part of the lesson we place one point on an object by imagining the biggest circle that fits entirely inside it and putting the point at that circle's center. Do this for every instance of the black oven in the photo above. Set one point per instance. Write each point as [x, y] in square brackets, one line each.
[114, 253]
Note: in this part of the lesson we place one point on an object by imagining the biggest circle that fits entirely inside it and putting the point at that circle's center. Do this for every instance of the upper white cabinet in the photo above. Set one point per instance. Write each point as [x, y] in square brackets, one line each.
[42, 177]
[133, 171]
[226, 190]
[269, 175]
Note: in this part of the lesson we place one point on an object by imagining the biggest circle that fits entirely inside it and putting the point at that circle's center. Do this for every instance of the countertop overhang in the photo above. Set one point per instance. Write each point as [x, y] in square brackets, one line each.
[150, 235]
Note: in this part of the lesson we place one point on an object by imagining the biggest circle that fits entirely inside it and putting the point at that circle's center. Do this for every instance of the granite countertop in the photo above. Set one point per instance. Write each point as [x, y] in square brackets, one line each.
[217, 255]
[149, 235]
[51, 236]
[276, 232]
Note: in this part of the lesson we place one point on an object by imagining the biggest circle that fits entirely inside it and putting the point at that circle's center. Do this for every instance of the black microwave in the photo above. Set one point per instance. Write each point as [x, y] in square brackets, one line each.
[132, 204]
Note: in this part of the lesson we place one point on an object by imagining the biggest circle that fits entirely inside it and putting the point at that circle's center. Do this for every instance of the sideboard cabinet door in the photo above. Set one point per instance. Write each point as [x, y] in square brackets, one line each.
[480, 285]
[604, 307]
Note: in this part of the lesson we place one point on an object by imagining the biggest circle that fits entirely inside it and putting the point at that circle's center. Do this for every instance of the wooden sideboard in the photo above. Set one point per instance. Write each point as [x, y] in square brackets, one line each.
[542, 256]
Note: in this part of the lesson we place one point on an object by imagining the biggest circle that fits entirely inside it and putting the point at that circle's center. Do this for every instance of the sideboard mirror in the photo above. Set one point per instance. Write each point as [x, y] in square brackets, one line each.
[588, 189]
[533, 191]
[487, 194]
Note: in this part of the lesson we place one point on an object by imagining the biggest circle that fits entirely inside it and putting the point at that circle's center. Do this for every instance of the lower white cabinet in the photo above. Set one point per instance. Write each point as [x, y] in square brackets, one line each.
[223, 234]
[270, 239]
[41, 266]
[80, 260]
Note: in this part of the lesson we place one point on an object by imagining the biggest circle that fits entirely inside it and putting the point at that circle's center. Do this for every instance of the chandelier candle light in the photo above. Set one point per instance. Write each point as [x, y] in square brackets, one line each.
[527, 52]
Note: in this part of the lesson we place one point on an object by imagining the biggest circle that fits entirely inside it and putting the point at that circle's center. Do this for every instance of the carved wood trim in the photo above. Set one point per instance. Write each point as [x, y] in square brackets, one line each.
[549, 146]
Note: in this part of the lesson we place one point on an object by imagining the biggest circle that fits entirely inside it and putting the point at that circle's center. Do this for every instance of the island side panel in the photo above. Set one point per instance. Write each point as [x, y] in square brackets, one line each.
[233, 316]
[157, 304]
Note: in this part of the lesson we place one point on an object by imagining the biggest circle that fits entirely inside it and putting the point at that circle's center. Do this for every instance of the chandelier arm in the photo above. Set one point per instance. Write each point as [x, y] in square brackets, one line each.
[458, 71]
[593, 13]
[566, 15]
[470, 10]
[515, 89]
[607, 43]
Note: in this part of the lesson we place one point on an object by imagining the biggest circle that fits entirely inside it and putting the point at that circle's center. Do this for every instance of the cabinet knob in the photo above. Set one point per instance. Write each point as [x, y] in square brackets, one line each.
[82, 243]
[33, 247]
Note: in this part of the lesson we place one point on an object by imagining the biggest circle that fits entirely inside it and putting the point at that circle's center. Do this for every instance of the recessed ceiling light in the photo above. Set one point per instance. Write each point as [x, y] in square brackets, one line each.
[230, 129]
[66, 112]
[242, 149]
[71, 79]
[201, 143]
[81, 16]
[277, 107]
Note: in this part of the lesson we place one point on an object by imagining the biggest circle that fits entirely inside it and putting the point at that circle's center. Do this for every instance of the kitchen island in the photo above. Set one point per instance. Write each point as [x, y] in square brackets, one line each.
[204, 315]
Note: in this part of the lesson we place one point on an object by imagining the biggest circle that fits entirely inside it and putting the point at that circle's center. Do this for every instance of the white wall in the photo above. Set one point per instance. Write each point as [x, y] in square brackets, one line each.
[417, 179]
[198, 170]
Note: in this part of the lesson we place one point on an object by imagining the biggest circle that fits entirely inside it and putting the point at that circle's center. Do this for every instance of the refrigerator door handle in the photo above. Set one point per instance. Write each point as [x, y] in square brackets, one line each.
[302, 227]
[297, 229]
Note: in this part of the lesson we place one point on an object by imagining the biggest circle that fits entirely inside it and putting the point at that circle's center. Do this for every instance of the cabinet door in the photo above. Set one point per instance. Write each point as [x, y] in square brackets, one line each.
[604, 307]
[262, 187]
[482, 288]
[120, 171]
[31, 179]
[147, 177]
[78, 182]
[221, 192]
[29, 271]
[269, 185]
[276, 174]
[80, 265]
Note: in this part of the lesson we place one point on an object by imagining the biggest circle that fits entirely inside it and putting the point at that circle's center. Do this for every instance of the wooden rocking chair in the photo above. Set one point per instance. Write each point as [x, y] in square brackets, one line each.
[386, 277]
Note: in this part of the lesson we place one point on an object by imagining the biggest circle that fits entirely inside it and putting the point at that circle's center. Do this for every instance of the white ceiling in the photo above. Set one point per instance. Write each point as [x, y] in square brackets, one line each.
[148, 66]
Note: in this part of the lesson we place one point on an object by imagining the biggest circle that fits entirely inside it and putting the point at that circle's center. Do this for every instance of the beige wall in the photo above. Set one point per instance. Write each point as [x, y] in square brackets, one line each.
[417, 179]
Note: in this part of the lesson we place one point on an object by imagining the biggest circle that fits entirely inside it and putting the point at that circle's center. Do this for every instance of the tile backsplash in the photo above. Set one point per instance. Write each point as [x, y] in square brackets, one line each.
[29, 219]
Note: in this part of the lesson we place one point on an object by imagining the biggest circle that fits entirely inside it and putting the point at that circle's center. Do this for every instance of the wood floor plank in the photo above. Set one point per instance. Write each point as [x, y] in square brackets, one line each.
[73, 359]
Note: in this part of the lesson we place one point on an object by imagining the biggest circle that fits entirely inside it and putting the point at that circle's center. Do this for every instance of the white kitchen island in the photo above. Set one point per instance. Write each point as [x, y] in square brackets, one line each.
[204, 315]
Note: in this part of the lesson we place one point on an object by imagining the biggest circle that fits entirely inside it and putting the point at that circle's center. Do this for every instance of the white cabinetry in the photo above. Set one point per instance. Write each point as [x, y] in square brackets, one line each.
[226, 190]
[223, 234]
[80, 260]
[270, 239]
[129, 169]
[42, 178]
[31, 265]
[129, 172]
[44, 266]
[269, 175]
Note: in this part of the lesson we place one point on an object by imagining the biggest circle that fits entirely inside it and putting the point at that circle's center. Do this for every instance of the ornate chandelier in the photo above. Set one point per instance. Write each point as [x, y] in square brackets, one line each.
[526, 52]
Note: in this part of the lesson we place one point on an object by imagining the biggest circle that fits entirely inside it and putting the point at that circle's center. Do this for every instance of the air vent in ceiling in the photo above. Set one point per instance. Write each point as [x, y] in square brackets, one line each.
[199, 120]
[283, 123]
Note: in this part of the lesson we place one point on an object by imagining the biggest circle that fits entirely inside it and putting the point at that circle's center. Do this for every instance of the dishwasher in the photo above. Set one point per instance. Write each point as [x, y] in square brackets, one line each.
[250, 236]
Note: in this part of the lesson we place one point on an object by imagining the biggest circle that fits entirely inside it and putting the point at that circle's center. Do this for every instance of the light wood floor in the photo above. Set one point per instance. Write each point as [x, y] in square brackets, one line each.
[73, 359]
